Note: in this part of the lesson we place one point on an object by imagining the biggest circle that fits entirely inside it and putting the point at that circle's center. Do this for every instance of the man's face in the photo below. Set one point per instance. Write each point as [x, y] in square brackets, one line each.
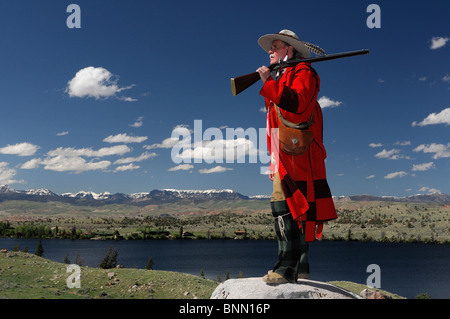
[278, 51]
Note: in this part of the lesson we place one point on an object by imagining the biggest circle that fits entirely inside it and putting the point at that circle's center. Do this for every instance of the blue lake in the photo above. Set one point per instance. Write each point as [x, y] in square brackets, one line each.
[406, 269]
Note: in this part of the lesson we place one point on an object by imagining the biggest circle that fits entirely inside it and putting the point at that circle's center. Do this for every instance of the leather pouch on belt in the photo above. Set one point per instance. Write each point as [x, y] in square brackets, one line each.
[293, 139]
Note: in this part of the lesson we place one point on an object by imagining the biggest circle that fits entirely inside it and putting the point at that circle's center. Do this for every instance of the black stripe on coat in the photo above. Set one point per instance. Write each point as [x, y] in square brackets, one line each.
[321, 188]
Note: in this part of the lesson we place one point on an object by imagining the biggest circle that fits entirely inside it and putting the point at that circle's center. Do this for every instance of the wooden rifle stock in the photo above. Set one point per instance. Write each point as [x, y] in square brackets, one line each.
[243, 82]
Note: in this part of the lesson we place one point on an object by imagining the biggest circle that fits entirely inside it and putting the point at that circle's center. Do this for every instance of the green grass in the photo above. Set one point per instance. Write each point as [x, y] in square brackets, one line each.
[27, 276]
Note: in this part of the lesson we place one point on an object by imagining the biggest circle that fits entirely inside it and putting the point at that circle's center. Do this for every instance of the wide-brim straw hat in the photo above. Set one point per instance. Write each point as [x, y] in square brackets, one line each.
[292, 39]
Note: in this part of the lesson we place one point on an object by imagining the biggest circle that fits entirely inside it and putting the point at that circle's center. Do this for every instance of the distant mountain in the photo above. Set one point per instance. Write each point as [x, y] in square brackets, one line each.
[419, 198]
[167, 195]
[159, 196]
[156, 196]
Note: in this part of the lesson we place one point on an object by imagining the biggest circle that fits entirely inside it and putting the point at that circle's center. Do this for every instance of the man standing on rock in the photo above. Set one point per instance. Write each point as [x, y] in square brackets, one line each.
[301, 200]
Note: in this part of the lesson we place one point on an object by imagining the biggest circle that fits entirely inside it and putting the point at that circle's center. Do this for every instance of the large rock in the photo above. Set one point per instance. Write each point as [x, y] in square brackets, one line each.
[256, 288]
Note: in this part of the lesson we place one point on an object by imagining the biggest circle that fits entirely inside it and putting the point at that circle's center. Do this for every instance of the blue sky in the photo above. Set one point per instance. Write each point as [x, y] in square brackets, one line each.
[94, 108]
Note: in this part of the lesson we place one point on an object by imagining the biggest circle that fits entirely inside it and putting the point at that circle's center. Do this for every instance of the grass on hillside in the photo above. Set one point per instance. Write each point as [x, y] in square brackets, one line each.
[27, 276]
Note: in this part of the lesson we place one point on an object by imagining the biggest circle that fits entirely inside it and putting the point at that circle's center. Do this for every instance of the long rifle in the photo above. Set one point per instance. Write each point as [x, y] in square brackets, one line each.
[242, 82]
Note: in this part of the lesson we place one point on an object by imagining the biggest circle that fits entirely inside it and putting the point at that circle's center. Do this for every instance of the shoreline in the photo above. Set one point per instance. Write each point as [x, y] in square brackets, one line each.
[229, 238]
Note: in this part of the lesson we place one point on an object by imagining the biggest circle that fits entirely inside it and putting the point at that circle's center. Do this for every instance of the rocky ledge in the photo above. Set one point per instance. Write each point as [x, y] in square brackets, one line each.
[256, 288]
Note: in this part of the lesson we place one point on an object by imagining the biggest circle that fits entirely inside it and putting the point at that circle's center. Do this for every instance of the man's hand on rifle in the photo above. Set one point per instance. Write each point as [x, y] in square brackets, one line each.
[264, 73]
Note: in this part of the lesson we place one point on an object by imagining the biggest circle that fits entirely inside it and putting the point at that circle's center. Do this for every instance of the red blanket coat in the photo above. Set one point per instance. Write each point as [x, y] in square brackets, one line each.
[303, 178]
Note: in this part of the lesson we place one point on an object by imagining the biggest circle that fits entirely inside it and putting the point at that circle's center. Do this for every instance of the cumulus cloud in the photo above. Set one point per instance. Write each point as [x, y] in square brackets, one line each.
[124, 138]
[327, 102]
[375, 145]
[395, 175]
[144, 156]
[403, 143]
[32, 164]
[391, 154]
[68, 159]
[438, 42]
[442, 117]
[62, 163]
[7, 174]
[128, 167]
[178, 131]
[218, 151]
[430, 190]
[96, 82]
[62, 133]
[439, 150]
[138, 122]
[89, 152]
[167, 143]
[20, 149]
[217, 169]
[423, 167]
[181, 167]
[370, 176]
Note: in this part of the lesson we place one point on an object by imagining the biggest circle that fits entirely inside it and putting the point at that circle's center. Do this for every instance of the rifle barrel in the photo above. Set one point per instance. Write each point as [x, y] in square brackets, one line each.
[241, 83]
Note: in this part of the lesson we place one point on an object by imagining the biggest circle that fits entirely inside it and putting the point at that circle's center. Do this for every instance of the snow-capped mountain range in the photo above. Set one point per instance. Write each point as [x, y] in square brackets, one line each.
[154, 196]
[172, 195]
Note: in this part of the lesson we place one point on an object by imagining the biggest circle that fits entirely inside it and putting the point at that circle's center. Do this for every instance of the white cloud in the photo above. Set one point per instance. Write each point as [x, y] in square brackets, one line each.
[31, 164]
[218, 150]
[442, 117]
[439, 150]
[178, 131]
[217, 169]
[72, 164]
[430, 190]
[327, 102]
[370, 176]
[392, 154]
[128, 167]
[97, 83]
[446, 78]
[138, 122]
[144, 156]
[423, 167]
[403, 143]
[20, 149]
[71, 160]
[167, 143]
[438, 42]
[124, 138]
[395, 175]
[62, 133]
[127, 99]
[89, 152]
[375, 144]
[7, 174]
[181, 167]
